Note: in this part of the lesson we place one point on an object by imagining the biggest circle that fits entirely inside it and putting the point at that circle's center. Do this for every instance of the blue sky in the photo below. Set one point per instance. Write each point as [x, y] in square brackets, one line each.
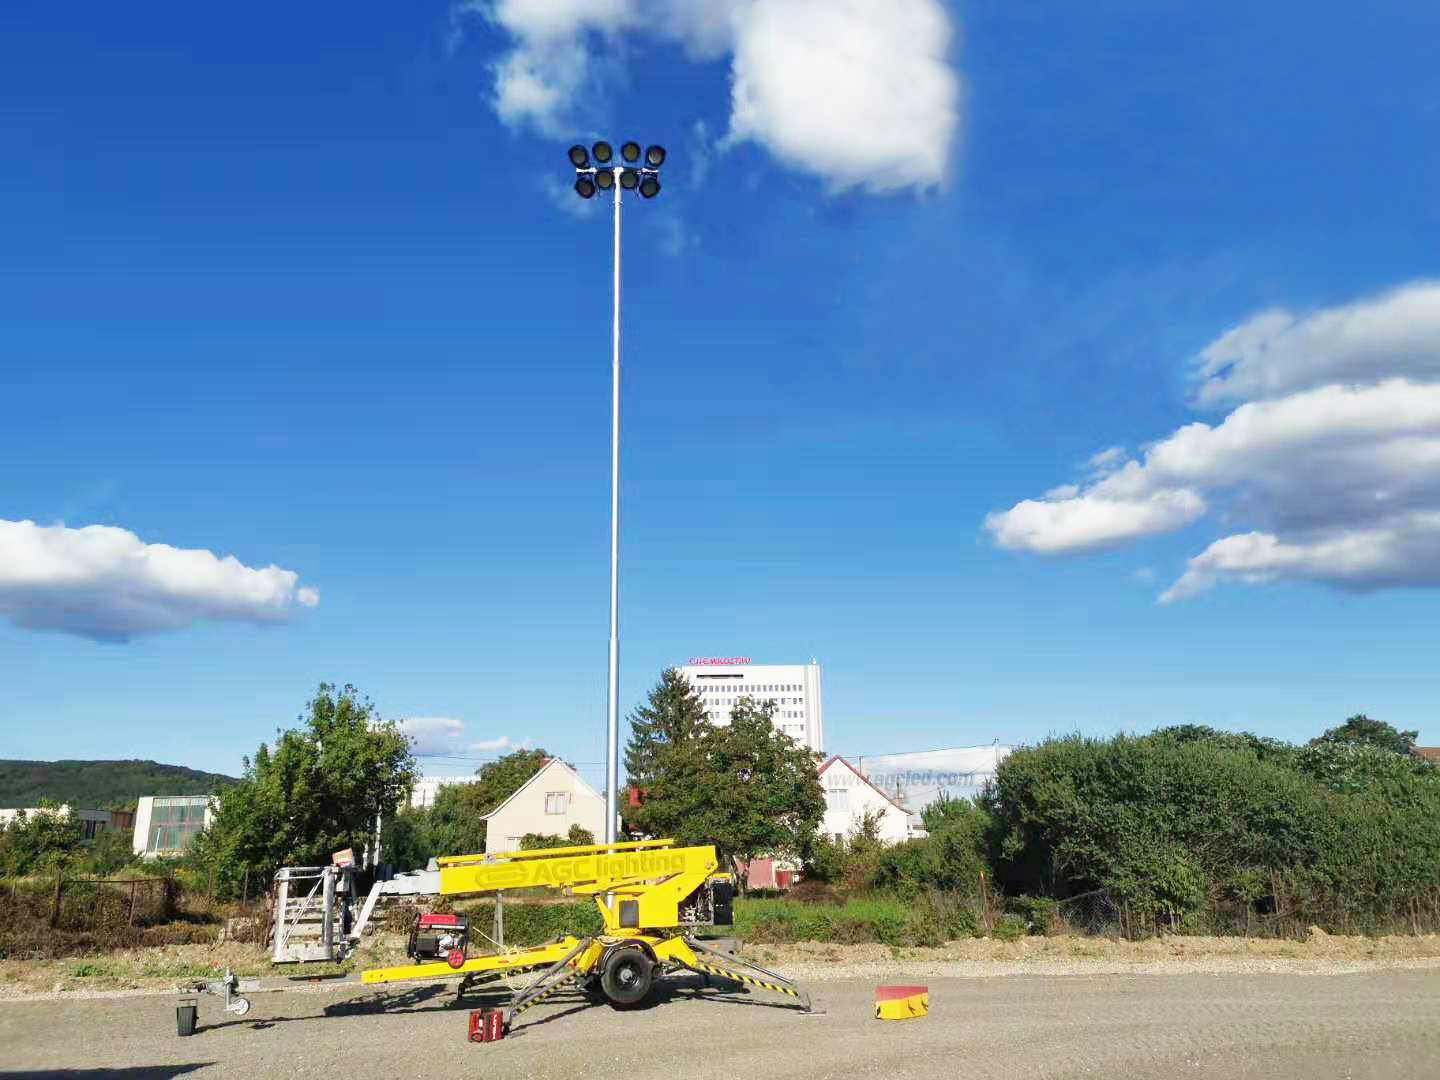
[307, 287]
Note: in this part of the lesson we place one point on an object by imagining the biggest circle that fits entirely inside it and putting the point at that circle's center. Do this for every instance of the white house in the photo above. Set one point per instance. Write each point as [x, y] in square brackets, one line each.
[547, 804]
[849, 797]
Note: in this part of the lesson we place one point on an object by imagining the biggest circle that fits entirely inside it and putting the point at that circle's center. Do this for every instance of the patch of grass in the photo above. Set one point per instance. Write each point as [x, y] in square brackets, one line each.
[1009, 927]
[930, 919]
[97, 970]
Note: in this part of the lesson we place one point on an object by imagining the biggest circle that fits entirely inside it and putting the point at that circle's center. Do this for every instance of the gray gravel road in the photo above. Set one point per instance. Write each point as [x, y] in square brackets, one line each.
[1114, 1026]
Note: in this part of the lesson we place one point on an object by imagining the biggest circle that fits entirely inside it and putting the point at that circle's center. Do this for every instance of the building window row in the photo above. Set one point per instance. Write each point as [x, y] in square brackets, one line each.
[736, 701]
[783, 688]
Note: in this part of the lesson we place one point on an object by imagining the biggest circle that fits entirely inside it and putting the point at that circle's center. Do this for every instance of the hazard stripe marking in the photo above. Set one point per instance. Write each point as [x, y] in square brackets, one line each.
[546, 992]
[725, 973]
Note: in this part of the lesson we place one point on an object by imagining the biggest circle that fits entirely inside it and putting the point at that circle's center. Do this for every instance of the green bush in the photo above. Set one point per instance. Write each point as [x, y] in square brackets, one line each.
[531, 923]
[1008, 928]
[1189, 829]
[1040, 913]
[932, 918]
[950, 859]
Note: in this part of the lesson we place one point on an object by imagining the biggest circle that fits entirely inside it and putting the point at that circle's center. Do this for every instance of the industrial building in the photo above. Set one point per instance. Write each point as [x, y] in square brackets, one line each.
[918, 779]
[92, 822]
[794, 688]
[423, 794]
[168, 824]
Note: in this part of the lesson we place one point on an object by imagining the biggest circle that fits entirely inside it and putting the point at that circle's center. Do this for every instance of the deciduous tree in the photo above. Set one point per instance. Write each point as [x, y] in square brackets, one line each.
[1362, 731]
[319, 790]
[747, 788]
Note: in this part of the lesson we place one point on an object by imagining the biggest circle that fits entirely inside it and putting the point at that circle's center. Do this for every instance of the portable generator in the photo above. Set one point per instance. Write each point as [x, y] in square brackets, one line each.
[439, 937]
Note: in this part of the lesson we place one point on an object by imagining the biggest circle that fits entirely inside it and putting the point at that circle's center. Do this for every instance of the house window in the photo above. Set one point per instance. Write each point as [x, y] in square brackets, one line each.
[838, 799]
[555, 802]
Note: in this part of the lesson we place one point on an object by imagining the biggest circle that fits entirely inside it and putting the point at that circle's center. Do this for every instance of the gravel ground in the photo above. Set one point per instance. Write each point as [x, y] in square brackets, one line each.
[156, 970]
[1234, 1027]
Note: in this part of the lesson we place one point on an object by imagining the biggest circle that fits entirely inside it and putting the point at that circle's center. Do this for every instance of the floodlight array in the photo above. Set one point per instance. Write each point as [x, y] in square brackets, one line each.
[595, 169]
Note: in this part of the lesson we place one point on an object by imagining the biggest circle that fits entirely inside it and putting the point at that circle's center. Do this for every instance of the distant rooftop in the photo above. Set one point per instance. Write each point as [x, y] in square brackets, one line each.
[1429, 753]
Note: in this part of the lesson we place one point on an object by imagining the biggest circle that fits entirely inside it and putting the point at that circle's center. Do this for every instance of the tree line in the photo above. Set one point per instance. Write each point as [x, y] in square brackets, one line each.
[321, 786]
[1186, 828]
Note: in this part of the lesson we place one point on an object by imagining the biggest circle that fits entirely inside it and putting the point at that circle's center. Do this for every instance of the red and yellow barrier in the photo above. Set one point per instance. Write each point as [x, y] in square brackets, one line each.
[901, 1002]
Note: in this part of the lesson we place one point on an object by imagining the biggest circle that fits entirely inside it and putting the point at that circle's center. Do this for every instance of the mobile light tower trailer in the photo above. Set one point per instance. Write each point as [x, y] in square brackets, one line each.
[651, 895]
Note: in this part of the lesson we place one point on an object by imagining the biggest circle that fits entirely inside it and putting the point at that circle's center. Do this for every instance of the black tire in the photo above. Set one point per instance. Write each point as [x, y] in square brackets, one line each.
[185, 1019]
[627, 977]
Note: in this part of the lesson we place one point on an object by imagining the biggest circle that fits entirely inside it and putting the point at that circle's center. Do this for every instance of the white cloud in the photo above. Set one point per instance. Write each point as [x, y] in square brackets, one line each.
[105, 583]
[431, 735]
[1403, 551]
[1397, 334]
[1335, 466]
[1089, 521]
[443, 736]
[856, 91]
[536, 83]
[504, 742]
[1106, 460]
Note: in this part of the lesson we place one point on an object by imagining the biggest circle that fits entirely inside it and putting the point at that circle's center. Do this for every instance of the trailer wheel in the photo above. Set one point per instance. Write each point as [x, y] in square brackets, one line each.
[627, 977]
[185, 1019]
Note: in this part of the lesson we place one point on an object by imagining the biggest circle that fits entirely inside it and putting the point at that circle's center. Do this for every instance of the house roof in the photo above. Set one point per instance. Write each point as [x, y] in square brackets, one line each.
[551, 763]
[1429, 753]
[865, 780]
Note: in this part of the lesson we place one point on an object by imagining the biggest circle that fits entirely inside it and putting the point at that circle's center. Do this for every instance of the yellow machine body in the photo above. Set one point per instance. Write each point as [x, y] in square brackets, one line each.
[637, 887]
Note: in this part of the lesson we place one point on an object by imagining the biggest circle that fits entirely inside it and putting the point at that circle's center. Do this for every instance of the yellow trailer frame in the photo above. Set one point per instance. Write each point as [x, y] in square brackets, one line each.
[640, 890]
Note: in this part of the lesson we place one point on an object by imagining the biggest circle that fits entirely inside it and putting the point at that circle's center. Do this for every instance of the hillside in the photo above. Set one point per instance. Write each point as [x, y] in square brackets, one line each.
[99, 784]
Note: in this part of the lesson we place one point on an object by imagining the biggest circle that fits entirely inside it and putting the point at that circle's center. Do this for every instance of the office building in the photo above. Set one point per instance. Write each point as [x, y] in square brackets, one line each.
[794, 688]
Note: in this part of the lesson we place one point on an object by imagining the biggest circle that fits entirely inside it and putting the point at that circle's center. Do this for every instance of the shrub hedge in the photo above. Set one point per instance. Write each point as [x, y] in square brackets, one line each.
[930, 918]
[1194, 830]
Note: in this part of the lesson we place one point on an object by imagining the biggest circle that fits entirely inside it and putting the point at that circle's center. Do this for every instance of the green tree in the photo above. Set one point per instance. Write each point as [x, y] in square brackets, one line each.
[575, 837]
[951, 858]
[1362, 731]
[108, 852]
[320, 790]
[405, 841]
[747, 788]
[672, 714]
[456, 821]
[45, 839]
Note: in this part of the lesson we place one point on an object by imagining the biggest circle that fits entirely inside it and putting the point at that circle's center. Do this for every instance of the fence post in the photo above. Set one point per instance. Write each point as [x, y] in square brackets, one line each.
[245, 886]
[55, 906]
[130, 919]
